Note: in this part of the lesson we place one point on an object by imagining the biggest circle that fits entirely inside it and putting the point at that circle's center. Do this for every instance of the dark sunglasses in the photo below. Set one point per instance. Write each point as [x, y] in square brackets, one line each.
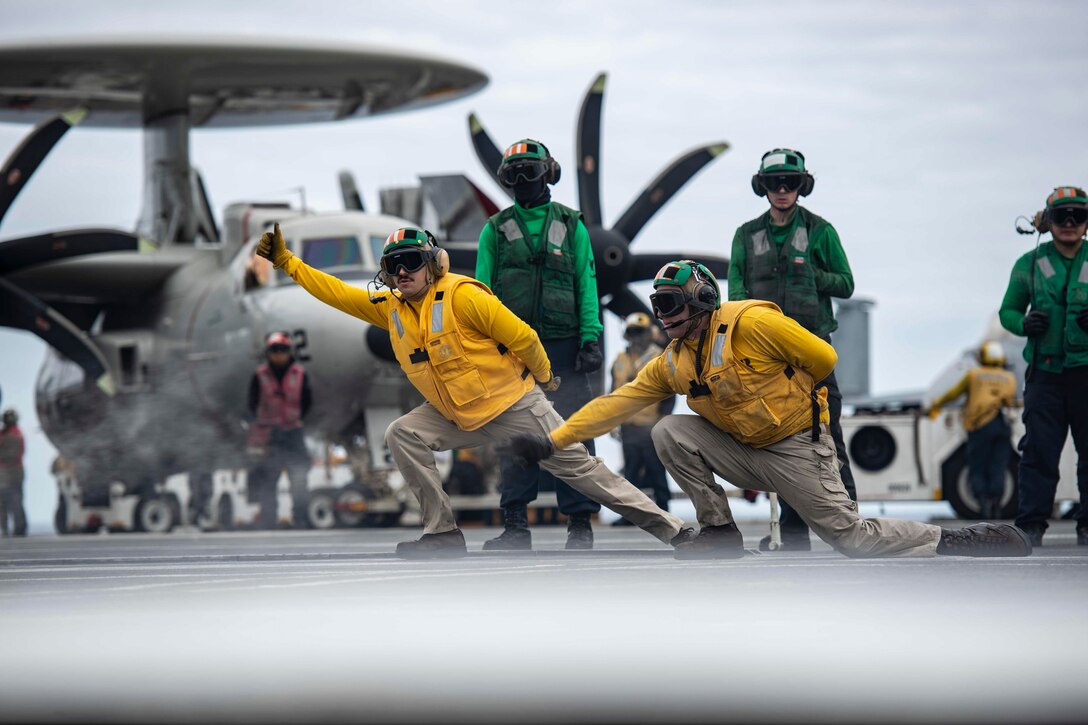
[668, 302]
[1074, 215]
[411, 259]
[522, 171]
[774, 182]
[279, 348]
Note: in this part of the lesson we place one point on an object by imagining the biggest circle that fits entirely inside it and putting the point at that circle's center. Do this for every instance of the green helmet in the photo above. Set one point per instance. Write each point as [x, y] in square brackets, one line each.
[413, 249]
[700, 289]
[407, 237]
[526, 149]
[528, 161]
[782, 161]
[1064, 195]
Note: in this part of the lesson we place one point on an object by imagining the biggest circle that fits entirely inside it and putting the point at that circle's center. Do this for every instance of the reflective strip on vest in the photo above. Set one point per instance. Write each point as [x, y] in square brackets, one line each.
[672, 363]
[800, 239]
[760, 243]
[557, 232]
[436, 317]
[396, 321]
[716, 353]
[1046, 267]
[510, 230]
[1083, 276]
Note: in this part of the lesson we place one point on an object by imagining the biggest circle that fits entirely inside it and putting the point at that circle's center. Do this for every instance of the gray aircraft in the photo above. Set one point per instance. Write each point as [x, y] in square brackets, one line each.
[154, 332]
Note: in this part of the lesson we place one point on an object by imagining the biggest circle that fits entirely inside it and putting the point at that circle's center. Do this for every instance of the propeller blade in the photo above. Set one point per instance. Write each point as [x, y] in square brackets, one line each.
[588, 146]
[27, 156]
[350, 192]
[23, 311]
[625, 302]
[486, 150]
[645, 266]
[15, 254]
[718, 266]
[661, 189]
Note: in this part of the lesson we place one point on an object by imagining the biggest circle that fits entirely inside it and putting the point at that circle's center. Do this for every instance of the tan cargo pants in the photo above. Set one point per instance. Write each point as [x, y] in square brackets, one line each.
[803, 472]
[413, 438]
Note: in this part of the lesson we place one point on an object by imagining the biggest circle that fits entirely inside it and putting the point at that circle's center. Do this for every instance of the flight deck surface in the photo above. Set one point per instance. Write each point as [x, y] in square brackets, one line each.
[296, 626]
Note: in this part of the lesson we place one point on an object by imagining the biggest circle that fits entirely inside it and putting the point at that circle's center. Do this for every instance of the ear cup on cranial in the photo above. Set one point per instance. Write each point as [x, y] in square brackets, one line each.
[441, 262]
[1041, 221]
[554, 171]
[806, 185]
[757, 186]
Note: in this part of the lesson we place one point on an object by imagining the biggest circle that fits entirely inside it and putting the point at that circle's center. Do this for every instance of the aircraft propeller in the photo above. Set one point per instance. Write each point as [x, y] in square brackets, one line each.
[616, 265]
[22, 310]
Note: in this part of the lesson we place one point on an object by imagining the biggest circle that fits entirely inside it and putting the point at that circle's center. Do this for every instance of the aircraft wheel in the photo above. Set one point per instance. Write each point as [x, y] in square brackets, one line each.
[156, 515]
[351, 505]
[957, 487]
[321, 509]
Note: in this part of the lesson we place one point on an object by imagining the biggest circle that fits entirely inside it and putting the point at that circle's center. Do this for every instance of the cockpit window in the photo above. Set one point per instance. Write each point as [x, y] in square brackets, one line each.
[377, 244]
[329, 252]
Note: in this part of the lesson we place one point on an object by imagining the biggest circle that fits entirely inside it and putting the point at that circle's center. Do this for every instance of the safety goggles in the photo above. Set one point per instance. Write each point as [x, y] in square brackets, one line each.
[279, 348]
[519, 172]
[669, 302]
[411, 259]
[774, 182]
[1068, 215]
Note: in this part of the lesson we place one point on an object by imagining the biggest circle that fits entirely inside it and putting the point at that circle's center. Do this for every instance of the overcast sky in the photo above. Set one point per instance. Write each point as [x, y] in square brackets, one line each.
[929, 127]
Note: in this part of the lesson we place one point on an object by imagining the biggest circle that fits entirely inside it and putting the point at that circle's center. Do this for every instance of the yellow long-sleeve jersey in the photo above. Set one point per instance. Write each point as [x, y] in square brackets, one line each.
[764, 346]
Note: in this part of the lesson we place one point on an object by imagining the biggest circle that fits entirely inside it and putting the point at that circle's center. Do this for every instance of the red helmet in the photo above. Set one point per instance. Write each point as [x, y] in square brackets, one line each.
[277, 339]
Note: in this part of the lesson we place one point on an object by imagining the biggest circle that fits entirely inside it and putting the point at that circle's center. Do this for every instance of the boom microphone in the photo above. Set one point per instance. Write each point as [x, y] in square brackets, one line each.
[1020, 230]
[689, 318]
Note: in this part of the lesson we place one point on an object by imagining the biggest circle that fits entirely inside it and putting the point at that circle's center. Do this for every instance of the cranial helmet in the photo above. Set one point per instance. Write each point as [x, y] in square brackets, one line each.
[277, 339]
[638, 321]
[696, 281]
[992, 353]
[783, 163]
[1067, 196]
[1062, 198]
[398, 246]
[10, 417]
[530, 160]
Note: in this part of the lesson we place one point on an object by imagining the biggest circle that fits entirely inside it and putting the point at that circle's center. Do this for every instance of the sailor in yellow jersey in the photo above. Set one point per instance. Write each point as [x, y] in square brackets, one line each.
[990, 391]
[750, 372]
[478, 366]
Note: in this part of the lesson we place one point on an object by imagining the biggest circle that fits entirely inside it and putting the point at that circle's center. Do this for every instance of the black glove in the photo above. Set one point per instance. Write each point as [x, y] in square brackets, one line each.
[1035, 323]
[1082, 319]
[527, 448]
[589, 358]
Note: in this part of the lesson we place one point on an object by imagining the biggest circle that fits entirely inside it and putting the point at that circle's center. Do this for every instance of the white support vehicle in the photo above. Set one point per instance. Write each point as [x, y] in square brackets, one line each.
[898, 454]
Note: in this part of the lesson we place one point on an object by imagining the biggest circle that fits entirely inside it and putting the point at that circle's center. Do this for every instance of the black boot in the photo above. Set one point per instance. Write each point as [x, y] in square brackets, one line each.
[1035, 534]
[686, 534]
[1082, 536]
[516, 536]
[713, 542]
[445, 545]
[985, 540]
[579, 532]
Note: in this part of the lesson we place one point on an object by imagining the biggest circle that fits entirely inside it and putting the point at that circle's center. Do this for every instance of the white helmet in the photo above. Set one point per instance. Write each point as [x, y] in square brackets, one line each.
[992, 353]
